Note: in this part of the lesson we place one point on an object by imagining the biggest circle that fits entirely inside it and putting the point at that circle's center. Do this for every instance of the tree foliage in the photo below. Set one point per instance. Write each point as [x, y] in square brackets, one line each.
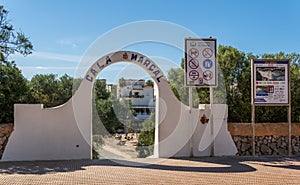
[11, 41]
[122, 82]
[149, 83]
[13, 89]
[49, 90]
[145, 146]
[236, 68]
[110, 113]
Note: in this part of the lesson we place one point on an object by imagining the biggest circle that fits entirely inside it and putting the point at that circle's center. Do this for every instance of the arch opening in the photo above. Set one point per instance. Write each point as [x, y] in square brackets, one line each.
[132, 113]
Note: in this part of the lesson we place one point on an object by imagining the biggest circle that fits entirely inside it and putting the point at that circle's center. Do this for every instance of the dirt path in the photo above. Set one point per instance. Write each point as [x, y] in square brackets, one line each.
[111, 149]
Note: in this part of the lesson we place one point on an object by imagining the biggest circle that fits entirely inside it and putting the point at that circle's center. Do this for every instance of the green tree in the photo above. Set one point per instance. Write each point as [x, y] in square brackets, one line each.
[110, 113]
[233, 64]
[44, 89]
[122, 82]
[125, 114]
[176, 81]
[100, 90]
[145, 146]
[11, 41]
[13, 88]
[149, 83]
[104, 119]
[65, 88]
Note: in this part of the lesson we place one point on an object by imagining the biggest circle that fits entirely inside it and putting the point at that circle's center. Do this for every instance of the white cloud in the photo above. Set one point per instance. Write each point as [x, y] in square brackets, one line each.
[71, 42]
[56, 56]
[47, 68]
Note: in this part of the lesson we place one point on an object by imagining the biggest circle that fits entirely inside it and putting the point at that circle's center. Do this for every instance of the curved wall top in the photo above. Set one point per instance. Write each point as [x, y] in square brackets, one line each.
[171, 115]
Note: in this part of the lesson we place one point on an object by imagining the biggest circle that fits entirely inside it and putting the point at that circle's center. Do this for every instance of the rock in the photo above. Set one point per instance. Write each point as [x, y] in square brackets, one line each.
[279, 142]
[273, 146]
[245, 140]
[295, 148]
[283, 145]
[269, 139]
[245, 146]
[265, 150]
[238, 144]
[282, 151]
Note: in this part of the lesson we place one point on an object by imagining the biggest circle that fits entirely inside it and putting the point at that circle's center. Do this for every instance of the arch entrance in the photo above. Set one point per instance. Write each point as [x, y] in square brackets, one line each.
[65, 132]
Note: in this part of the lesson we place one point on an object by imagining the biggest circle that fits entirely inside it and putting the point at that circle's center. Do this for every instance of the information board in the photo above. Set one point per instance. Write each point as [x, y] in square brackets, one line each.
[270, 82]
[200, 62]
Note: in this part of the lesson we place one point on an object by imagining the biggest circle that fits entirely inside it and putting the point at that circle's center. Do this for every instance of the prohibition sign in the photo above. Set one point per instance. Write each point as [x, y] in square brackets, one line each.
[207, 53]
[194, 75]
[207, 75]
[193, 64]
[193, 53]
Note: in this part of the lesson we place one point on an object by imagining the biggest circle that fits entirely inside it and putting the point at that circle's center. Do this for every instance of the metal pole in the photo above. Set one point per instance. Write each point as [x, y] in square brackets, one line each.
[290, 131]
[211, 99]
[253, 129]
[190, 124]
[190, 99]
[252, 108]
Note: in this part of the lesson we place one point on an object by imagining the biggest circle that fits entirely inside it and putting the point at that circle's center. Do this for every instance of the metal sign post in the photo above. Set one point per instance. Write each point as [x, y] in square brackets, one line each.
[211, 99]
[201, 71]
[191, 126]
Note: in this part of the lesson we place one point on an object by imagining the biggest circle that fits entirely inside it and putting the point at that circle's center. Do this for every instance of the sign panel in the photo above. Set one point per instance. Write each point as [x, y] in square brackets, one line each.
[270, 82]
[200, 62]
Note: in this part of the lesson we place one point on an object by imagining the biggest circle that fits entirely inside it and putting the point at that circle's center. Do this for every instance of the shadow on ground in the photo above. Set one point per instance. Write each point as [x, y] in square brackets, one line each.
[227, 165]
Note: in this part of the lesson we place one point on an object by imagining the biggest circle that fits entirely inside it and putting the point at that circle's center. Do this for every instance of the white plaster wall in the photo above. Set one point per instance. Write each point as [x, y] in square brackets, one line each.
[53, 134]
[223, 143]
[177, 125]
[46, 134]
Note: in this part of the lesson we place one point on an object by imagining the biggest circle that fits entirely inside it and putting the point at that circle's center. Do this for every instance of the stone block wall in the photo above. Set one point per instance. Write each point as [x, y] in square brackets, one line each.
[5, 130]
[270, 138]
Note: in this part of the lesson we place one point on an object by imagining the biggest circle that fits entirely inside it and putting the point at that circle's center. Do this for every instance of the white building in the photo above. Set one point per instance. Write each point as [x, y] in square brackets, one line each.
[141, 96]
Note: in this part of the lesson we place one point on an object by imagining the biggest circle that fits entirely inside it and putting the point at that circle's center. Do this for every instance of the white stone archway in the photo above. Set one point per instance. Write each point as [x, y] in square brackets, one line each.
[64, 132]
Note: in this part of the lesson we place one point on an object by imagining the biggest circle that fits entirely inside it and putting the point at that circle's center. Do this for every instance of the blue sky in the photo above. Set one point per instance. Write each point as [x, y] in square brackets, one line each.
[62, 30]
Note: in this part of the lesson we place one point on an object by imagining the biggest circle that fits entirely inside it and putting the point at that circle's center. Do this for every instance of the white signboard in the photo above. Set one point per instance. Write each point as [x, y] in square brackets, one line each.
[200, 62]
[270, 81]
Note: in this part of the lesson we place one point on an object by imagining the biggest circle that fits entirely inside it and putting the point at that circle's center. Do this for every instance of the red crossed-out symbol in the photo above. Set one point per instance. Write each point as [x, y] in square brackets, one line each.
[194, 75]
[193, 64]
[207, 75]
[193, 53]
[207, 53]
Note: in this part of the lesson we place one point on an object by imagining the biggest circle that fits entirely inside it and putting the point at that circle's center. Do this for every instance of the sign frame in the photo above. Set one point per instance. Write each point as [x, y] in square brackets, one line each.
[201, 49]
[255, 104]
[287, 81]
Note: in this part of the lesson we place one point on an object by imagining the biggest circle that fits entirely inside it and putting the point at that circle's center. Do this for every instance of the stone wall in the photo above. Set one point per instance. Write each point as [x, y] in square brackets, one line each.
[270, 138]
[5, 131]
